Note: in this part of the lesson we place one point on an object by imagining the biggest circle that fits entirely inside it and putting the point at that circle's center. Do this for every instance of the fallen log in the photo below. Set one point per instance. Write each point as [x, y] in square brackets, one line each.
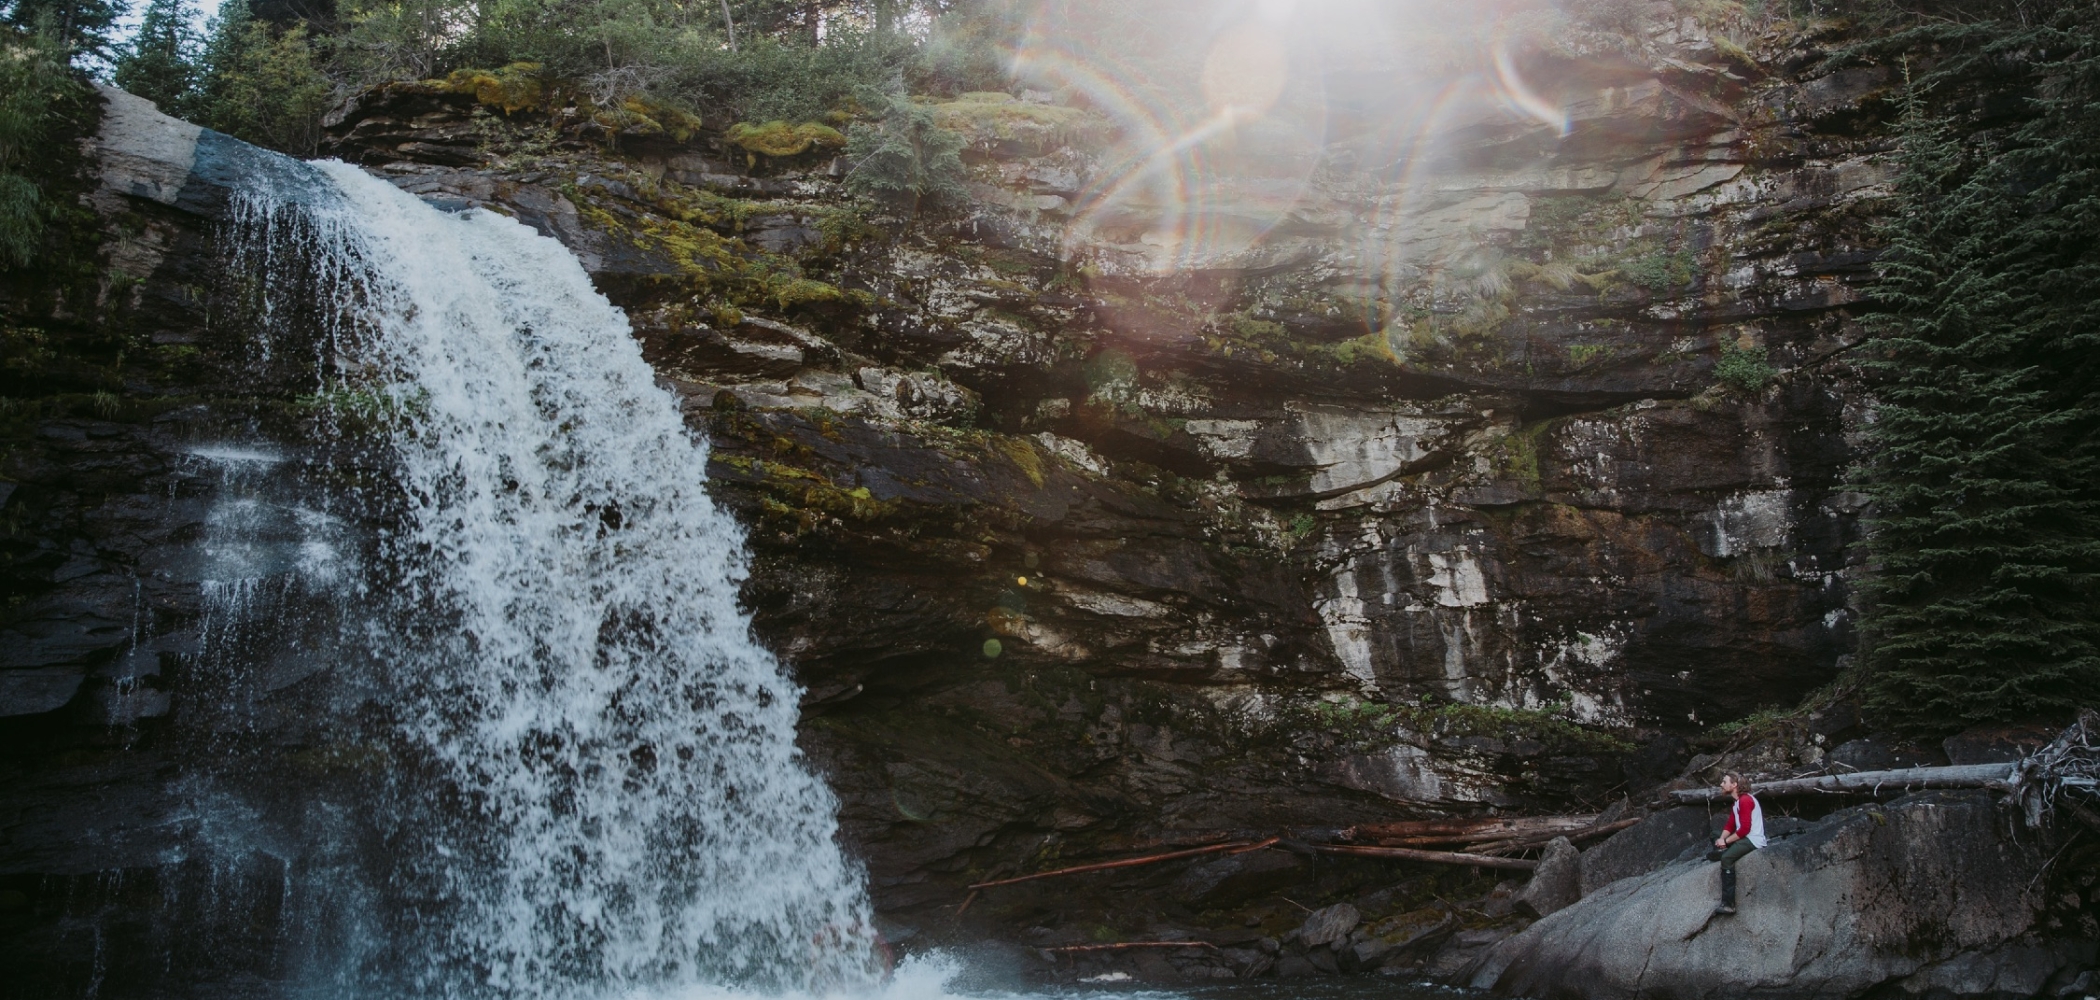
[1409, 833]
[1907, 779]
[1120, 945]
[1534, 843]
[1433, 857]
[1234, 847]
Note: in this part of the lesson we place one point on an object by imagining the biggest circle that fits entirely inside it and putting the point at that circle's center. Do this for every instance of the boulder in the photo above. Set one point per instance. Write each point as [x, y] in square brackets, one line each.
[1556, 883]
[1644, 847]
[1236, 878]
[1996, 744]
[2013, 971]
[1394, 937]
[1870, 896]
[1329, 924]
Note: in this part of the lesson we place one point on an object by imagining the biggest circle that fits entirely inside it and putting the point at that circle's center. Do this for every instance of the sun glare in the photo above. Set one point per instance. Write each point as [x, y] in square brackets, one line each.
[1225, 113]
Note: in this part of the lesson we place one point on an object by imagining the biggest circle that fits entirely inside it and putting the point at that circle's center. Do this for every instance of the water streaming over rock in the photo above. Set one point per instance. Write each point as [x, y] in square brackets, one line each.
[586, 776]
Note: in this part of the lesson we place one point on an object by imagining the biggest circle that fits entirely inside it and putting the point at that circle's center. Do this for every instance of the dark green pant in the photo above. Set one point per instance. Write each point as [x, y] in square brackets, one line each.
[1733, 854]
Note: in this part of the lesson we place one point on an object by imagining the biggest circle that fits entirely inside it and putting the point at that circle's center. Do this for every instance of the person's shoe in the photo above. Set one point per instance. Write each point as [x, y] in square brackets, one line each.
[1724, 910]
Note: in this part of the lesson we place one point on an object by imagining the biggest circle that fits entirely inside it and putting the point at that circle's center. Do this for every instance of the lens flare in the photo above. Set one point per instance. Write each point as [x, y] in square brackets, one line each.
[1250, 136]
[1245, 72]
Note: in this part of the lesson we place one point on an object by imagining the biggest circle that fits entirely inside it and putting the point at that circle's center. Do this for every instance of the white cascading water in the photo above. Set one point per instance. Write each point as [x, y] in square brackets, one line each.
[598, 772]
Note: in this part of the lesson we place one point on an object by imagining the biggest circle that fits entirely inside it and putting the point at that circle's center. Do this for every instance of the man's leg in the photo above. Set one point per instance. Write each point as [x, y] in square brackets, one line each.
[1729, 857]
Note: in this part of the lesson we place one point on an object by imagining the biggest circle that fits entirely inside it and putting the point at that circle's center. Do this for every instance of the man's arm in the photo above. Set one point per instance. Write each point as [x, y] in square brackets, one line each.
[1737, 826]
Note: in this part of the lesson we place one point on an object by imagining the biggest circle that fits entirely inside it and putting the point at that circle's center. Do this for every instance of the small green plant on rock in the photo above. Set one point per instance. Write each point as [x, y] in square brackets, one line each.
[1744, 368]
[1660, 272]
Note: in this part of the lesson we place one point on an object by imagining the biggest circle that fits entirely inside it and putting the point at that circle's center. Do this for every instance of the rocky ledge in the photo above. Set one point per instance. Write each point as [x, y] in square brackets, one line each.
[1932, 895]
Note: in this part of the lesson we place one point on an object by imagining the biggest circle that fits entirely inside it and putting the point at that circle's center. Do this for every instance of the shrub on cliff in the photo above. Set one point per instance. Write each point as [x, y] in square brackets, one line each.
[1984, 597]
[36, 86]
[905, 156]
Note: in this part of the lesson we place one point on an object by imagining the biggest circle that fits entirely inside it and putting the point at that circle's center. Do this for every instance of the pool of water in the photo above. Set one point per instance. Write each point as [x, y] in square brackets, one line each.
[945, 977]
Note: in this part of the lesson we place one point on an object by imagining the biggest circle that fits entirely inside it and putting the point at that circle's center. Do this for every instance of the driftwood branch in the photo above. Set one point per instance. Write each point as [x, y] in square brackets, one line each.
[1423, 832]
[1433, 857]
[1532, 843]
[2070, 763]
[1234, 847]
[1909, 779]
[1121, 945]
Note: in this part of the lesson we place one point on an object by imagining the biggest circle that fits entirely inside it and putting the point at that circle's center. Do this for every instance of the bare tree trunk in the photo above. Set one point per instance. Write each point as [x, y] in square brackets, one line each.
[729, 20]
[1433, 857]
[1907, 779]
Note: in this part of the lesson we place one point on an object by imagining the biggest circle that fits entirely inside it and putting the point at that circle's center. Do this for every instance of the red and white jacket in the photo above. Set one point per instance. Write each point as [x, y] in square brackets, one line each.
[1747, 820]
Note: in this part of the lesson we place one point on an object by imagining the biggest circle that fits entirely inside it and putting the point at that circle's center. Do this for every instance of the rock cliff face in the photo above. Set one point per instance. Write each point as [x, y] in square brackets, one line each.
[1091, 530]
[1082, 532]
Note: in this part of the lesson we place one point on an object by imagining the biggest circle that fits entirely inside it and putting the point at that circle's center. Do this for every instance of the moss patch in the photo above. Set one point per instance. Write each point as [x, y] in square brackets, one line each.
[991, 116]
[780, 139]
[514, 88]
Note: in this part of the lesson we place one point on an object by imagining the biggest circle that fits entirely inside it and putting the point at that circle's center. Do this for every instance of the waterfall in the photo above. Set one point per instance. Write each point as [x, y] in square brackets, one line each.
[589, 784]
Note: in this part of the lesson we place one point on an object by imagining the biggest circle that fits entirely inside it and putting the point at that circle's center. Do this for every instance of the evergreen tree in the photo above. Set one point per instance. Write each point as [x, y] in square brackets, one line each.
[905, 157]
[81, 26]
[261, 83]
[36, 87]
[1984, 593]
[160, 63]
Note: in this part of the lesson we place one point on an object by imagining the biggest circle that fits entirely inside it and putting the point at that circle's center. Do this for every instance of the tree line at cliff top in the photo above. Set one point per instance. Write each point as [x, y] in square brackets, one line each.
[1982, 586]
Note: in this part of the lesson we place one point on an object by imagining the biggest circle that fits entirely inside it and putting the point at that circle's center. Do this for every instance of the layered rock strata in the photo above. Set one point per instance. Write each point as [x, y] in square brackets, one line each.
[1430, 497]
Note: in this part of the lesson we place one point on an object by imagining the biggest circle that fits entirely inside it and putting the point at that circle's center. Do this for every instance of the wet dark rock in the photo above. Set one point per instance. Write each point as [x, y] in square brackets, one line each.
[1861, 755]
[1328, 926]
[1400, 937]
[1239, 878]
[2011, 971]
[1996, 744]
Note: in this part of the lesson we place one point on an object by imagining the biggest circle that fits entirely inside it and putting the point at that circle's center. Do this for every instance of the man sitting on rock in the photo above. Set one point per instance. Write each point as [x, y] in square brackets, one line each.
[1744, 832]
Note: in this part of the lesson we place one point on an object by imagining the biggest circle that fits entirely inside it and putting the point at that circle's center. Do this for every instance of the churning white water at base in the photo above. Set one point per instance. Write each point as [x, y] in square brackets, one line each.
[592, 784]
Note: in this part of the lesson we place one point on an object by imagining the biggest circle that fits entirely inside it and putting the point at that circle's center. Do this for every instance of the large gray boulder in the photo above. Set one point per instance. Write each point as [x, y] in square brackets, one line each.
[1557, 882]
[1872, 895]
[1645, 847]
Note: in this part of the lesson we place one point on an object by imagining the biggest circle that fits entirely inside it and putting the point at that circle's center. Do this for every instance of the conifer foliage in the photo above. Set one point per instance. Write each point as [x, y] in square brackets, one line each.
[1984, 594]
[160, 64]
[37, 88]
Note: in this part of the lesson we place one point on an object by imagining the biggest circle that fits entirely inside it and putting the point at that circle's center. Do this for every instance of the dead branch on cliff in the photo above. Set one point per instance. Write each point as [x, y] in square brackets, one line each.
[1515, 844]
[1433, 857]
[1427, 832]
[1235, 847]
[2069, 764]
[1123, 945]
[1870, 783]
